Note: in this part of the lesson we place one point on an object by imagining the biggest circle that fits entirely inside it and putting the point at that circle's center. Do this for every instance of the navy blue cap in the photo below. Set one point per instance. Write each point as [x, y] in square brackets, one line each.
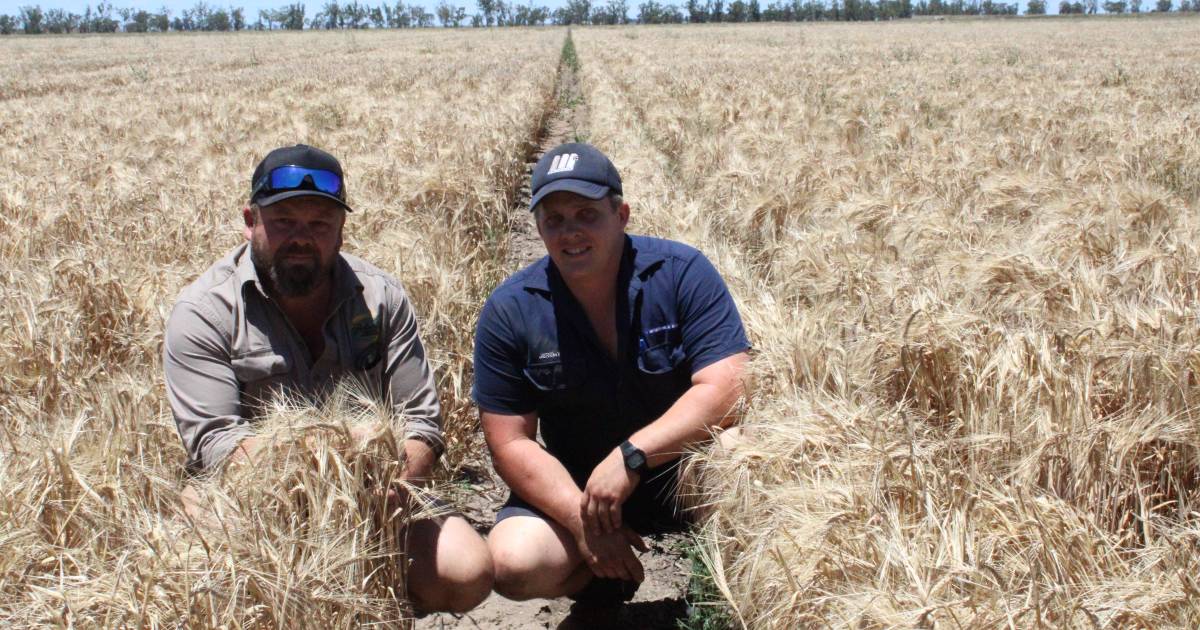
[300, 155]
[577, 168]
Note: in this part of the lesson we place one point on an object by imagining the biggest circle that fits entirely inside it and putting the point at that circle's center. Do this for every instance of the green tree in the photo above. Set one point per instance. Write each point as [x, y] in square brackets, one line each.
[1163, 6]
[487, 8]
[418, 16]
[1114, 6]
[161, 21]
[218, 20]
[445, 13]
[330, 16]
[59, 21]
[290, 17]
[7, 25]
[357, 15]
[31, 20]
[619, 9]
[576, 12]
[397, 15]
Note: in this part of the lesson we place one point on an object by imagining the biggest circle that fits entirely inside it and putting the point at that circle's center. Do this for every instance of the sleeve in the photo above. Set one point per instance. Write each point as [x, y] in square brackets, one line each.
[500, 383]
[408, 377]
[201, 387]
[711, 326]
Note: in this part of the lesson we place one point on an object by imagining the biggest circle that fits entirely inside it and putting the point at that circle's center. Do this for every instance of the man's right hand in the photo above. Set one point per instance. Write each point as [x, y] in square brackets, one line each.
[610, 555]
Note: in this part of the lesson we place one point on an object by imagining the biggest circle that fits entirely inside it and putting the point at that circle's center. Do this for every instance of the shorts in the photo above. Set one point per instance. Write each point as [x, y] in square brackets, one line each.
[653, 508]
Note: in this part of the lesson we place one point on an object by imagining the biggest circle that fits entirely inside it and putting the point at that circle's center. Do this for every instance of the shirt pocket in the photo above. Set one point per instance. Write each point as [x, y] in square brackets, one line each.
[259, 365]
[664, 358]
[556, 375]
[663, 376]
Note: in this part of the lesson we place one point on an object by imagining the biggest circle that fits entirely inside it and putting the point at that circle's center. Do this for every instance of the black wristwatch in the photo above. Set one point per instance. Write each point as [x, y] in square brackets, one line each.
[635, 458]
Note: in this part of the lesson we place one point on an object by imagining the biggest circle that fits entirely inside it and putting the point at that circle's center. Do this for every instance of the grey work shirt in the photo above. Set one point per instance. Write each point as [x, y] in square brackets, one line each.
[228, 348]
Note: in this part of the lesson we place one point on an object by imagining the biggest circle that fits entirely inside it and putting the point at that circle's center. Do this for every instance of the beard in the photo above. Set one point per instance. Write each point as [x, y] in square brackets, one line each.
[291, 278]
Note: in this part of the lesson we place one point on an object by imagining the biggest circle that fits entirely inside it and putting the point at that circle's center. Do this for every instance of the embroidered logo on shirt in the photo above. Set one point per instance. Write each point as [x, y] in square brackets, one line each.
[364, 334]
[643, 344]
[547, 355]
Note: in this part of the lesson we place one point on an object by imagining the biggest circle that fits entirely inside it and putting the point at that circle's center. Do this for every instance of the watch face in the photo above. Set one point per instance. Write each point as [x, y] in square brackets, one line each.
[635, 460]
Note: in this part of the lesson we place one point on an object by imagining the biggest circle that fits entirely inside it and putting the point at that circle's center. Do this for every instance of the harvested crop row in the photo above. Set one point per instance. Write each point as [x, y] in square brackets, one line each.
[966, 255]
[128, 164]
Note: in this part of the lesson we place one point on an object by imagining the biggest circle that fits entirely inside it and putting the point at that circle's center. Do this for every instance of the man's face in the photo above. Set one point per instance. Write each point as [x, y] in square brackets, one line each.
[293, 243]
[584, 237]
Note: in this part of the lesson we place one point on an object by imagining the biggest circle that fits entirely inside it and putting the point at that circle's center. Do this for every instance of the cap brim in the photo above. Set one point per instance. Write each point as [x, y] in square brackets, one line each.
[266, 201]
[577, 186]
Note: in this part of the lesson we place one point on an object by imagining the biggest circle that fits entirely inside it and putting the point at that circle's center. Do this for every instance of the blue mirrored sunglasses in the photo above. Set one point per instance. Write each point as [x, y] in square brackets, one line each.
[287, 178]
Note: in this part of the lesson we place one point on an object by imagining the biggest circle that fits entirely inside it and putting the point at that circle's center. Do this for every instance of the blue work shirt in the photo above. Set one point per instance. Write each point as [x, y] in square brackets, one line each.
[536, 350]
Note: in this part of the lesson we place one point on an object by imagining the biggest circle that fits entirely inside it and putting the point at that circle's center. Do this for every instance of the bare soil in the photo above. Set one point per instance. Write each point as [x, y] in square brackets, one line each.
[659, 602]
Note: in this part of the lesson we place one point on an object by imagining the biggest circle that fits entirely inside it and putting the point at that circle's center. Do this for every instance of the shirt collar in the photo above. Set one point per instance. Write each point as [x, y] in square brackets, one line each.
[644, 263]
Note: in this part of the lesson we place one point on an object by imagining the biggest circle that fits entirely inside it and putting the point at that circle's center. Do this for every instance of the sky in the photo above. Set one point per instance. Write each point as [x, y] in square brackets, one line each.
[11, 7]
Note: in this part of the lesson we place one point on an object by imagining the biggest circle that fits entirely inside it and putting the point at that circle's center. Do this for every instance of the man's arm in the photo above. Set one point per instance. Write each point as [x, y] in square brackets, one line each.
[704, 407]
[531, 472]
[202, 388]
[411, 385]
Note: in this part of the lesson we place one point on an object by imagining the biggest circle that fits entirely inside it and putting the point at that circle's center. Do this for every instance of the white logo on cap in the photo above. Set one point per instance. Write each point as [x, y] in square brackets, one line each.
[563, 163]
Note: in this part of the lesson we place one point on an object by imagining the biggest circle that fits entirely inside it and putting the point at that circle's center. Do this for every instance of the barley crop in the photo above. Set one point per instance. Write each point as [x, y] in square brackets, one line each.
[127, 163]
[967, 257]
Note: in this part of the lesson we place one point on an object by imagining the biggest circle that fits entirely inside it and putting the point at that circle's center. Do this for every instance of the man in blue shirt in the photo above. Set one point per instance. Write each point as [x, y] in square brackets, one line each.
[625, 350]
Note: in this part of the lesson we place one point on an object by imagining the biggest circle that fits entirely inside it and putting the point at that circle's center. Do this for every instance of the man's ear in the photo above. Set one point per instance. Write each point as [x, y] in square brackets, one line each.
[623, 212]
[537, 218]
[248, 217]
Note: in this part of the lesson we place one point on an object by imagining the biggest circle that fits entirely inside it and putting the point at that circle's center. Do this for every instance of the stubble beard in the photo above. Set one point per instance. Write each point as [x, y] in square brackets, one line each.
[290, 279]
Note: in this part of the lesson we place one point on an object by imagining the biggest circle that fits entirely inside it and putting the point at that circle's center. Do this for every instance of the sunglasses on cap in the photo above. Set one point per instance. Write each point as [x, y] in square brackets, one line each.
[285, 178]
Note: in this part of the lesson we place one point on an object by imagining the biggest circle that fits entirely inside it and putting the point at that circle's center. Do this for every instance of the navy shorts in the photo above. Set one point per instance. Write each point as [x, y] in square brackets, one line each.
[653, 508]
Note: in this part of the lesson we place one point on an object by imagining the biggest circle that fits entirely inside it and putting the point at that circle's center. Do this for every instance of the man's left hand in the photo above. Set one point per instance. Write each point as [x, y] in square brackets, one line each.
[607, 489]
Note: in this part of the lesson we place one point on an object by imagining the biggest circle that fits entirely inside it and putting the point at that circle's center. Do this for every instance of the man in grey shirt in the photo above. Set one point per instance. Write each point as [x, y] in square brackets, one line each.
[287, 312]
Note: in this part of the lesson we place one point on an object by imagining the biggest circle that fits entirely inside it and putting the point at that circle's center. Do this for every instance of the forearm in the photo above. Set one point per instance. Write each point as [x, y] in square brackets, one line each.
[690, 420]
[707, 405]
[419, 461]
[539, 478]
[244, 452]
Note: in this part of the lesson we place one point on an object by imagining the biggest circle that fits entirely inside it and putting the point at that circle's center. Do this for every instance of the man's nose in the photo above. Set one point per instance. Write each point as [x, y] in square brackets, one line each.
[572, 228]
[301, 232]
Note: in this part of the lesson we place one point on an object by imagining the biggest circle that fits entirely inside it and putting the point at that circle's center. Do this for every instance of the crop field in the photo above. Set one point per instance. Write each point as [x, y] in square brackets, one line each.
[967, 255]
[968, 258]
[127, 163]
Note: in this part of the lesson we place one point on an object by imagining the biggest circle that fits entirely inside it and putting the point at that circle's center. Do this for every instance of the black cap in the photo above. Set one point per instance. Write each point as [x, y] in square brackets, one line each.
[299, 155]
[577, 168]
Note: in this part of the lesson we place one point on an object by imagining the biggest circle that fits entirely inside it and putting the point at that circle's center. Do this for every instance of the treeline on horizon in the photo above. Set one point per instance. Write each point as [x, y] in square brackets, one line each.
[106, 18]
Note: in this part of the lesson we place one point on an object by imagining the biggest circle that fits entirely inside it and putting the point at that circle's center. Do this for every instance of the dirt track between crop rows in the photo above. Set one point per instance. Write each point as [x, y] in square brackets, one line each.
[659, 602]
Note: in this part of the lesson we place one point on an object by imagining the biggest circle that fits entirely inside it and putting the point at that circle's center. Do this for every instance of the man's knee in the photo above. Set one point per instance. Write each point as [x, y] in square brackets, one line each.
[471, 577]
[459, 574]
[527, 565]
[467, 587]
[519, 572]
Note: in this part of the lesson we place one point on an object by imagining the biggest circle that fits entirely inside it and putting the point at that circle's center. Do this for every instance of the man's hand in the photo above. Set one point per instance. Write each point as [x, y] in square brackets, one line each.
[418, 466]
[610, 555]
[607, 489]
